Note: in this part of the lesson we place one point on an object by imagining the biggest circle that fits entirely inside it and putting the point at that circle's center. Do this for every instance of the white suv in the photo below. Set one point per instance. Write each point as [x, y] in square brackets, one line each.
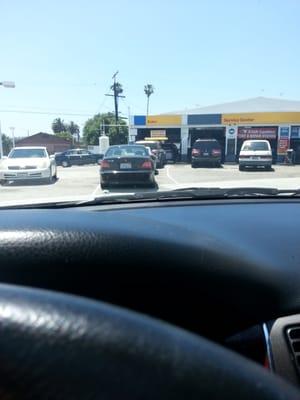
[255, 153]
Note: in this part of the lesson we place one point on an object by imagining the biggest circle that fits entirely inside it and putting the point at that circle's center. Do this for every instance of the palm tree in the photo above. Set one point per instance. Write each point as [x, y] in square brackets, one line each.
[148, 89]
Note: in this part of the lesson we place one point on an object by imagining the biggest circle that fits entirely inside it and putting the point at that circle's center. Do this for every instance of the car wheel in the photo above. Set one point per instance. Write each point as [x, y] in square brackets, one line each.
[160, 164]
[269, 167]
[65, 164]
[194, 165]
[241, 168]
[153, 185]
[104, 186]
[2, 182]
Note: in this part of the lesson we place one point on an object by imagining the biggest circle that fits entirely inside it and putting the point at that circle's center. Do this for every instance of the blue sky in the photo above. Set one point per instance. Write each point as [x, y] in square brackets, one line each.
[62, 55]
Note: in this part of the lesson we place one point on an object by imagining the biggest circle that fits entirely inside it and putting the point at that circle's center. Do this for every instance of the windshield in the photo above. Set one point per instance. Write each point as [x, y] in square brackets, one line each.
[255, 146]
[195, 87]
[27, 153]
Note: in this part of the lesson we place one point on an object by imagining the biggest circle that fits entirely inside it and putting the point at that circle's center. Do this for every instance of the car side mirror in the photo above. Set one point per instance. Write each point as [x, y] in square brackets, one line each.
[52, 156]
[4, 157]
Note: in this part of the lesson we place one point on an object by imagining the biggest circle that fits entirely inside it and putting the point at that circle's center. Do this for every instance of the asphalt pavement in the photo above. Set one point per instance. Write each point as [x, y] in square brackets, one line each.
[82, 182]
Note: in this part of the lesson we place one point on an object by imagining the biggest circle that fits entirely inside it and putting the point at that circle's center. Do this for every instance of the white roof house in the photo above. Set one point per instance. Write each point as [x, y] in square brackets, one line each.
[252, 105]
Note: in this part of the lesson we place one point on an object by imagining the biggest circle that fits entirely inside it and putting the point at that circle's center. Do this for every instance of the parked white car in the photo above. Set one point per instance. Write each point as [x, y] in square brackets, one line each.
[255, 153]
[28, 163]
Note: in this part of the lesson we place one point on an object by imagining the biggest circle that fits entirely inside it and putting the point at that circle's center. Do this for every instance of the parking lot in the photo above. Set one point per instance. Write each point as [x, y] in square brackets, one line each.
[82, 182]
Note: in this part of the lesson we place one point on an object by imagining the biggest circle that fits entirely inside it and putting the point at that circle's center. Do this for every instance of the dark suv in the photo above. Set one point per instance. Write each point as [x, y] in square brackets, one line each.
[156, 150]
[206, 151]
[171, 150]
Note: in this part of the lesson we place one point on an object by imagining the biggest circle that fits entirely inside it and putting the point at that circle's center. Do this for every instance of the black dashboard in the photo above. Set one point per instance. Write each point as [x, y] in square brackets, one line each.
[213, 267]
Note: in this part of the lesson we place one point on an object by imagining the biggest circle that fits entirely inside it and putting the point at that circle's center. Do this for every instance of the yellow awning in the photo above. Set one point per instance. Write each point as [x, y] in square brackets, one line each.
[155, 139]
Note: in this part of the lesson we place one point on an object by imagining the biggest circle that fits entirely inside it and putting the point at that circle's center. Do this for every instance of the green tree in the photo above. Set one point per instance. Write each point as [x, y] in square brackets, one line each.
[58, 126]
[73, 128]
[6, 144]
[93, 129]
[148, 89]
[64, 135]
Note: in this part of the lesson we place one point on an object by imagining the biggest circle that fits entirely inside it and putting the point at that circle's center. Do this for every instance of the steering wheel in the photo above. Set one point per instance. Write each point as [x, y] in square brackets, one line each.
[55, 346]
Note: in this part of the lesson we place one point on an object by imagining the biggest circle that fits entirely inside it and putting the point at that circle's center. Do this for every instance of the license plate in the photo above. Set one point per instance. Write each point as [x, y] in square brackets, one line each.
[255, 158]
[125, 165]
[205, 154]
[22, 174]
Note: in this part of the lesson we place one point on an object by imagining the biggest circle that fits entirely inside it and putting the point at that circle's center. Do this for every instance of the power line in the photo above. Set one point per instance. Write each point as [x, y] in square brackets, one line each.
[47, 113]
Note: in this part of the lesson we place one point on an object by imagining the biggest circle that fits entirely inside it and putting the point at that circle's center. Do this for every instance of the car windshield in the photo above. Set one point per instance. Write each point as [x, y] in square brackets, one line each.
[189, 85]
[256, 146]
[127, 151]
[27, 153]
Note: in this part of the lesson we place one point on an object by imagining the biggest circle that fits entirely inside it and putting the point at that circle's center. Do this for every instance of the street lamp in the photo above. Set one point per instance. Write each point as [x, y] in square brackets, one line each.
[10, 85]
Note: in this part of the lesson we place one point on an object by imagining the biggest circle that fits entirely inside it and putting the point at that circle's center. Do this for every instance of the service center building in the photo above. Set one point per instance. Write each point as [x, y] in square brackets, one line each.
[275, 120]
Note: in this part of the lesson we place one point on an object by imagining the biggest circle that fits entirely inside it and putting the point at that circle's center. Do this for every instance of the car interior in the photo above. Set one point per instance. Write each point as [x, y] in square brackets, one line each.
[174, 299]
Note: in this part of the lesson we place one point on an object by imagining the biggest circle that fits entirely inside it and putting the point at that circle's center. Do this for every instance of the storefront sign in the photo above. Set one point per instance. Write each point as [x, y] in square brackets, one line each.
[284, 132]
[295, 132]
[204, 119]
[164, 120]
[257, 133]
[283, 145]
[261, 118]
[158, 133]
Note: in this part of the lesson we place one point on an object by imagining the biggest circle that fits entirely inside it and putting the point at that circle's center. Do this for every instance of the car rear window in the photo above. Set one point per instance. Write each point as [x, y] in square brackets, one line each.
[255, 146]
[127, 151]
[153, 146]
[209, 145]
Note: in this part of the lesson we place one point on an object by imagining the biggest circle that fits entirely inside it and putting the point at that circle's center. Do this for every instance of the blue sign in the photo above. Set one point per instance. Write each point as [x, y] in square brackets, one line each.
[295, 132]
[284, 132]
[231, 131]
[204, 119]
[139, 120]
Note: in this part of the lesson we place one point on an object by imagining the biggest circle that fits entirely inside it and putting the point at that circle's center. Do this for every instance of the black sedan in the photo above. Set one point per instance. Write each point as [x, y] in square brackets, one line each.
[127, 165]
[76, 157]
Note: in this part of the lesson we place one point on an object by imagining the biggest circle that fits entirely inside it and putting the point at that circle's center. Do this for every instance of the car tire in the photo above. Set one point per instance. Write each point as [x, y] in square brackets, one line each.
[2, 182]
[50, 179]
[65, 164]
[269, 167]
[194, 165]
[153, 185]
[159, 165]
[241, 168]
[104, 186]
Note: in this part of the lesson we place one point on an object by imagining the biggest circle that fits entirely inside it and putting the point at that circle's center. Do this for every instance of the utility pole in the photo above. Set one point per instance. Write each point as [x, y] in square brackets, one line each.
[12, 129]
[117, 90]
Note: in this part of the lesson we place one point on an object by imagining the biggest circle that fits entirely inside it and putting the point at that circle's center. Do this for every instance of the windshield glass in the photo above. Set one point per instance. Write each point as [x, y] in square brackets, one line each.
[27, 153]
[195, 84]
[255, 146]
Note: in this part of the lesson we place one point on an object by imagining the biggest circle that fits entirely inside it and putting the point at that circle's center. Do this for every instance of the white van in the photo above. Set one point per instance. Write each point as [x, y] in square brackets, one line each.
[255, 153]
